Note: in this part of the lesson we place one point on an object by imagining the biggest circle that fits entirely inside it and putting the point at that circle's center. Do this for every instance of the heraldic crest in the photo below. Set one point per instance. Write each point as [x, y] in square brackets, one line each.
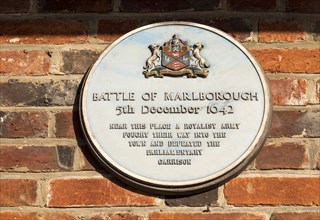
[176, 58]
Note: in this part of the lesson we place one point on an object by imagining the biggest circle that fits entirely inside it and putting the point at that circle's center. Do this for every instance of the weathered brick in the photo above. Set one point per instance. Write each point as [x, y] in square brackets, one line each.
[23, 124]
[273, 191]
[288, 30]
[59, 216]
[295, 123]
[14, 6]
[35, 158]
[18, 192]
[204, 216]
[251, 5]
[78, 61]
[208, 198]
[67, 125]
[94, 192]
[18, 216]
[289, 91]
[304, 6]
[77, 6]
[110, 30]
[285, 155]
[24, 63]
[41, 93]
[118, 216]
[296, 216]
[289, 60]
[44, 31]
[167, 5]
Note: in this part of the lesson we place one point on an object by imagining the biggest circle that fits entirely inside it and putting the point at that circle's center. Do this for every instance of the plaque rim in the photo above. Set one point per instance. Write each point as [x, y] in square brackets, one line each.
[191, 186]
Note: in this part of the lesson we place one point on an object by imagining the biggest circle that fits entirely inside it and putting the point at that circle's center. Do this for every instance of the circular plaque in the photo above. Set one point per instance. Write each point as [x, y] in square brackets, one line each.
[175, 107]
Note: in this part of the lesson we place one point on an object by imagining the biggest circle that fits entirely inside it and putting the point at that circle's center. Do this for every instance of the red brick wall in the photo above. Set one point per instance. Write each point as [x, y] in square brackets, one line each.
[47, 171]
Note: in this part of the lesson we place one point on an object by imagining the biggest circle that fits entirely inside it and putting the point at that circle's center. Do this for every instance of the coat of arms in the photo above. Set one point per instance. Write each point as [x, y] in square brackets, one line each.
[176, 58]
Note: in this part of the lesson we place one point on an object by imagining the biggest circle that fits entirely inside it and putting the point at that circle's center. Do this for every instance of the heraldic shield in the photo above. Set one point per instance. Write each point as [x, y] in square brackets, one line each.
[176, 58]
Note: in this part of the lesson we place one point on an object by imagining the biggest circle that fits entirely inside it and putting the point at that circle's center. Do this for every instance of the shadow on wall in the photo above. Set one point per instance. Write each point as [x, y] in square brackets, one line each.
[69, 29]
[62, 22]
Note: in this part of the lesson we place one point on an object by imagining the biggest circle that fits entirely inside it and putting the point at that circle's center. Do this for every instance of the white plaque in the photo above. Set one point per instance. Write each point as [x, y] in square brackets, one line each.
[175, 107]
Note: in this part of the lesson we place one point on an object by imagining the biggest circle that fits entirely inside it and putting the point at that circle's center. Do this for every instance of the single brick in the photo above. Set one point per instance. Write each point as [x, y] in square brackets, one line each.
[208, 198]
[288, 30]
[296, 216]
[41, 93]
[239, 28]
[18, 192]
[110, 30]
[168, 5]
[59, 216]
[23, 124]
[68, 125]
[18, 215]
[204, 216]
[273, 191]
[14, 6]
[289, 60]
[303, 6]
[251, 5]
[286, 155]
[65, 156]
[94, 192]
[78, 61]
[118, 216]
[24, 63]
[44, 31]
[289, 91]
[78, 6]
[35, 158]
[295, 123]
